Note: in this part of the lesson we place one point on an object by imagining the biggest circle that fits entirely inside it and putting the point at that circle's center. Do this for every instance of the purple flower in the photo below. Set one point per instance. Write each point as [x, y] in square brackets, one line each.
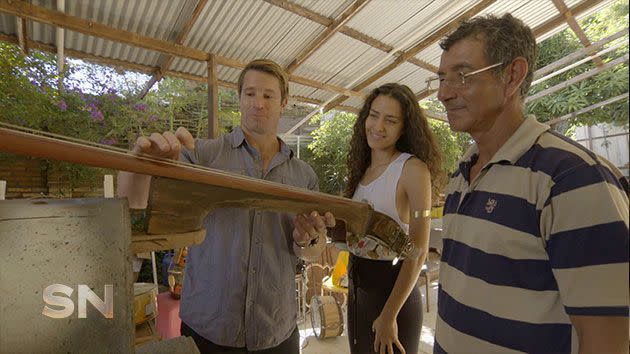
[63, 106]
[153, 118]
[112, 91]
[111, 141]
[97, 115]
[140, 107]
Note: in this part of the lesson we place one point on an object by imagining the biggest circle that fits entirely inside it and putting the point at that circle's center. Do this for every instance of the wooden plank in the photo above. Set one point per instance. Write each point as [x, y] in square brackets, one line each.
[301, 11]
[577, 79]
[55, 18]
[571, 58]
[588, 109]
[423, 64]
[213, 99]
[151, 243]
[575, 27]
[221, 188]
[559, 20]
[60, 19]
[21, 30]
[348, 31]
[141, 68]
[165, 61]
[424, 43]
[333, 28]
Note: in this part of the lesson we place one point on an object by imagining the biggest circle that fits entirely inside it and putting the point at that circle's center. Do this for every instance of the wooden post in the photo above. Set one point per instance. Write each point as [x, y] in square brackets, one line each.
[213, 98]
[108, 186]
[3, 188]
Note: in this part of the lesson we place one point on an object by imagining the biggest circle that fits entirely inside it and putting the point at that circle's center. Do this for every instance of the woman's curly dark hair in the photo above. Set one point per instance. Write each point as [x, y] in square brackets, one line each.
[416, 139]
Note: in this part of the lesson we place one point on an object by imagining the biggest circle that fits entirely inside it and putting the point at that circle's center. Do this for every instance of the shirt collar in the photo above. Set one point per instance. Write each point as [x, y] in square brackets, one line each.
[237, 138]
[522, 140]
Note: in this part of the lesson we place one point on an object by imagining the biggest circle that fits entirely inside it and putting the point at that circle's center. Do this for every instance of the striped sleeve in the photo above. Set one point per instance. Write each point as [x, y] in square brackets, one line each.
[585, 225]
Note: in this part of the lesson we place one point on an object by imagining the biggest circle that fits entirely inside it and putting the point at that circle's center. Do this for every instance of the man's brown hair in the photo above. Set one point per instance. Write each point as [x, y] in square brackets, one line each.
[269, 67]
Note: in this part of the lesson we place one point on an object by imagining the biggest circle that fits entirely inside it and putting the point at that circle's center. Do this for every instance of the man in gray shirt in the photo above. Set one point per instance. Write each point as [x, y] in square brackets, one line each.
[239, 287]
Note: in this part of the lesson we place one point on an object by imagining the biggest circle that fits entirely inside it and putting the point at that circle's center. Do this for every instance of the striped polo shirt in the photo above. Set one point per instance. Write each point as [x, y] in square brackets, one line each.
[541, 234]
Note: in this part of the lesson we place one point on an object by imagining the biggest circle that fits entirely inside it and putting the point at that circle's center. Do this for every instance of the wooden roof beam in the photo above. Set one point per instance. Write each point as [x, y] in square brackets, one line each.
[578, 78]
[56, 18]
[165, 61]
[60, 40]
[573, 57]
[587, 109]
[404, 56]
[330, 30]
[142, 68]
[21, 26]
[559, 20]
[348, 31]
[575, 27]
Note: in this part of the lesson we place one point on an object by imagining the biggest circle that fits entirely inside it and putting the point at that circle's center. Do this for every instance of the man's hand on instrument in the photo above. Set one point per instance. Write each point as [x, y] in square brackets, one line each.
[310, 230]
[165, 145]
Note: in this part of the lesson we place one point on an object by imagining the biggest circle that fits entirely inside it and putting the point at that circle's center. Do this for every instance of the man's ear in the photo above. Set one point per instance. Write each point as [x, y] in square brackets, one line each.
[515, 75]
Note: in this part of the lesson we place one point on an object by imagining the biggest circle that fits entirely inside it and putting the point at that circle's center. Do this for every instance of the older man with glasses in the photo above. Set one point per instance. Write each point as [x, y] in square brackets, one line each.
[535, 255]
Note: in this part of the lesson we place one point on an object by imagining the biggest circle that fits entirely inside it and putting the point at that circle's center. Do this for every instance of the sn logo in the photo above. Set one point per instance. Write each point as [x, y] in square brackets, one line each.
[106, 308]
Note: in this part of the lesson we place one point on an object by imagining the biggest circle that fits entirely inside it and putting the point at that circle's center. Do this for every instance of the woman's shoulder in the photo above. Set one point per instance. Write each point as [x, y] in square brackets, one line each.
[414, 165]
[415, 172]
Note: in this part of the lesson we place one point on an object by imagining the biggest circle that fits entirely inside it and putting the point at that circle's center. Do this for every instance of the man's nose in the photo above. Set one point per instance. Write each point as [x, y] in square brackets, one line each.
[445, 93]
[258, 101]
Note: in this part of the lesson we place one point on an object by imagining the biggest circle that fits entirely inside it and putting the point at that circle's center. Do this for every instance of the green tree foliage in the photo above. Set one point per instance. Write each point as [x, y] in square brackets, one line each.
[591, 91]
[329, 151]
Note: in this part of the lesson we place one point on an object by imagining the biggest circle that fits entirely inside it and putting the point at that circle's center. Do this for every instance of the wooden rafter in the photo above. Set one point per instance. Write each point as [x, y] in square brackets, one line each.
[538, 31]
[553, 23]
[575, 27]
[333, 28]
[404, 56]
[571, 58]
[22, 33]
[144, 68]
[578, 78]
[77, 24]
[424, 94]
[348, 31]
[60, 41]
[166, 60]
[588, 109]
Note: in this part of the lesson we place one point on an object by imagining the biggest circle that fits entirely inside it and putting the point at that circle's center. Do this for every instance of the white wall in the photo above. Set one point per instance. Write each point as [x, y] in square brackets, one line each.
[607, 140]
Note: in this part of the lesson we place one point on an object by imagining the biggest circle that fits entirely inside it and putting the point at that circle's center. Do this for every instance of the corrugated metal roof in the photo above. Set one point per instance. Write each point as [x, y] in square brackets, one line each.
[330, 9]
[246, 29]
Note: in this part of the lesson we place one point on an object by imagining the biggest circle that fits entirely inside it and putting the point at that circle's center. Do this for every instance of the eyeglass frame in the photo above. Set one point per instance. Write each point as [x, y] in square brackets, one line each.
[462, 75]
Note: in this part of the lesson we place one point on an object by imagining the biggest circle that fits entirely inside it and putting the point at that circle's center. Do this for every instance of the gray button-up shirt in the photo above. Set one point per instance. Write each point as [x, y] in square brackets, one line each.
[239, 286]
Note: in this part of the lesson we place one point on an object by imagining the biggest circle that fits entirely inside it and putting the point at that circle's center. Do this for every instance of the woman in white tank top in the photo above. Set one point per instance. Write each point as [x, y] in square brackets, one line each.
[393, 163]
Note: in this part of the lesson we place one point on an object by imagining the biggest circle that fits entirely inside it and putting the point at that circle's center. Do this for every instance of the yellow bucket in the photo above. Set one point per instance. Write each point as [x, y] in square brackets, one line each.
[144, 302]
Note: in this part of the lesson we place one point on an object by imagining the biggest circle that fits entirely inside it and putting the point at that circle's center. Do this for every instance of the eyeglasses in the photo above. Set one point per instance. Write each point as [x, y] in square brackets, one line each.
[456, 80]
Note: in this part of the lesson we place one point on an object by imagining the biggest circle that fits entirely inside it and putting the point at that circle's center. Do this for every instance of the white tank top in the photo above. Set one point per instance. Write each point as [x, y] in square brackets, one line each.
[381, 195]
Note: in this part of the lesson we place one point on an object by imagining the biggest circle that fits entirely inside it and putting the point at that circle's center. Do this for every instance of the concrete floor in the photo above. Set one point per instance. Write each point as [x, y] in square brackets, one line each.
[339, 345]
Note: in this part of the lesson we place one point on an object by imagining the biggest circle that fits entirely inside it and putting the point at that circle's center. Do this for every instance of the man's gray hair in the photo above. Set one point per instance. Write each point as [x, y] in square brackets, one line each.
[505, 39]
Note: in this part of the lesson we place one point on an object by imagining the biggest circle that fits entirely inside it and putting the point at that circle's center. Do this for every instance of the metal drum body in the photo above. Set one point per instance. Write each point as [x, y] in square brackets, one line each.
[326, 317]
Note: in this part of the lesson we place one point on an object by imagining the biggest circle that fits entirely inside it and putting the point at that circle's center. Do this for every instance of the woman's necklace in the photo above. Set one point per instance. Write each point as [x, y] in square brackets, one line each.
[383, 164]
